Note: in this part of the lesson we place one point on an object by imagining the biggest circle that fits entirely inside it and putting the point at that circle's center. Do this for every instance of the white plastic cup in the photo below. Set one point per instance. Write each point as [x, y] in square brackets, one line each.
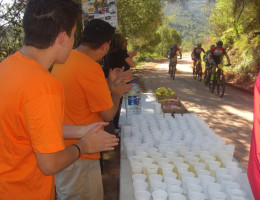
[220, 172]
[135, 159]
[209, 158]
[177, 160]
[234, 193]
[142, 195]
[167, 168]
[193, 188]
[182, 167]
[176, 196]
[155, 177]
[152, 169]
[223, 178]
[140, 185]
[160, 195]
[199, 166]
[230, 185]
[142, 154]
[169, 175]
[138, 177]
[230, 149]
[205, 181]
[214, 187]
[147, 160]
[174, 189]
[202, 173]
[218, 196]
[157, 108]
[197, 196]
[184, 178]
[172, 181]
[158, 185]
[137, 167]
[162, 161]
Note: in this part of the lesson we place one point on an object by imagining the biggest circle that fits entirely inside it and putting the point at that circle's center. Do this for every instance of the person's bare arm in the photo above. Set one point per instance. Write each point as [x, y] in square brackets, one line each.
[132, 53]
[130, 62]
[77, 131]
[180, 54]
[96, 140]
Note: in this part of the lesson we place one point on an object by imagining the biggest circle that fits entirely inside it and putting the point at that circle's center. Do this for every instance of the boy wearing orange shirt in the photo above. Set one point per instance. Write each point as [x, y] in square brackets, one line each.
[88, 99]
[31, 106]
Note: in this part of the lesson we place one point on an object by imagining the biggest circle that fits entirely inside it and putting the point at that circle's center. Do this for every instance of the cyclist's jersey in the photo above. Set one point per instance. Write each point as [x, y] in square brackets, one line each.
[217, 54]
[173, 52]
[207, 53]
[197, 51]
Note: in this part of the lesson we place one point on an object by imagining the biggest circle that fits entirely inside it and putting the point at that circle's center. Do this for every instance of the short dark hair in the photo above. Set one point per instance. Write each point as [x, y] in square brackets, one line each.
[117, 42]
[44, 19]
[97, 32]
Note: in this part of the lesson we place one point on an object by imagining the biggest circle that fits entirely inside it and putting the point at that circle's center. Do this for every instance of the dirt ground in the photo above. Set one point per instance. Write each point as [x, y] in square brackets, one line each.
[230, 117]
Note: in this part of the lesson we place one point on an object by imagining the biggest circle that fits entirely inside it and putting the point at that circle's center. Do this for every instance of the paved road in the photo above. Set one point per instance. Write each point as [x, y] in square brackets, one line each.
[231, 116]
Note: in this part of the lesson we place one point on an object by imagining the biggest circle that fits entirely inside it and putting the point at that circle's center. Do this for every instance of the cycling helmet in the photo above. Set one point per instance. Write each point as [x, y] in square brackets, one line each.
[219, 43]
[212, 46]
[199, 44]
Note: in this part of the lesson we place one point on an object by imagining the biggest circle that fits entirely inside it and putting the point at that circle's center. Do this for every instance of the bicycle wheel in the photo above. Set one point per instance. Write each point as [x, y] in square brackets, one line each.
[173, 70]
[199, 72]
[170, 68]
[206, 77]
[194, 72]
[221, 85]
[212, 84]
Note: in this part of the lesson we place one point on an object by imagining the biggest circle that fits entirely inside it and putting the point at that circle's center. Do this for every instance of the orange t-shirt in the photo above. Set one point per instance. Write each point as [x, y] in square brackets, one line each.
[31, 114]
[86, 92]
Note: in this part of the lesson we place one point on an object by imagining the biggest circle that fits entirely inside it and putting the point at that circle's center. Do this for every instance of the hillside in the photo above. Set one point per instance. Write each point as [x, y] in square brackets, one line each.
[190, 19]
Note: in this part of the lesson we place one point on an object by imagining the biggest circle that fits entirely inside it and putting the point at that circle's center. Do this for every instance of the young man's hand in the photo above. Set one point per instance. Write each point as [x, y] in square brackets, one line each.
[97, 140]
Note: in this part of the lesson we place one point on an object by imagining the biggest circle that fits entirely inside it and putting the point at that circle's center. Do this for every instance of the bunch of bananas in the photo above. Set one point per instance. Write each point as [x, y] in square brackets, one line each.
[163, 91]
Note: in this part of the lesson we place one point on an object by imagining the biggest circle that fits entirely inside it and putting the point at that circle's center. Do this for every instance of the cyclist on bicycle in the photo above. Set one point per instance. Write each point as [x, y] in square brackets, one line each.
[196, 54]
[216, 57]
[173, 54]
[207, 63]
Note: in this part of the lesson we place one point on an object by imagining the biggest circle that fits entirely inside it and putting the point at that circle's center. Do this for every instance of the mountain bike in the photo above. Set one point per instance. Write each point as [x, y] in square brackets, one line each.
[197, 70]
[172, 67]
[207, 75]
[219, 81]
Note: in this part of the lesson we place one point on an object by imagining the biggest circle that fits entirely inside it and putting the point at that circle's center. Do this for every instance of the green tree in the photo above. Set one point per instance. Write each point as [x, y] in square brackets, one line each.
[11, 27]
[139, 20]
[168, 36]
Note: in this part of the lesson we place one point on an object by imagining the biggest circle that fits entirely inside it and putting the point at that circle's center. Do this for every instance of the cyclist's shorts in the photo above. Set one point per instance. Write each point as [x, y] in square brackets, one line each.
[174, 59]
[207, 65]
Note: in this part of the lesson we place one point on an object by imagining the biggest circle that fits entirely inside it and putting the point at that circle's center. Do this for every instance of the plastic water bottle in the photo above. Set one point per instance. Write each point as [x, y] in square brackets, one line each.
[133, 101]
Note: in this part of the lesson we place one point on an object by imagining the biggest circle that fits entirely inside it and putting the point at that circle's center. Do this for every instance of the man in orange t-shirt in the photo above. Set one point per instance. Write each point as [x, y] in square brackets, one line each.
[88, 99]
[31, 106]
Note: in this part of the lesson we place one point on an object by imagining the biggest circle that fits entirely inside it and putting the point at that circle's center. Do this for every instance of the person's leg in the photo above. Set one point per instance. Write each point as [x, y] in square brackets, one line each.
[117, 116]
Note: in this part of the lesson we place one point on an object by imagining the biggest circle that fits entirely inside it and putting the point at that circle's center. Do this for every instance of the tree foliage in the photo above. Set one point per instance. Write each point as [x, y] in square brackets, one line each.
[11, 27]
[139, 20]
[190, 19]
[168, 36]
[236, 22]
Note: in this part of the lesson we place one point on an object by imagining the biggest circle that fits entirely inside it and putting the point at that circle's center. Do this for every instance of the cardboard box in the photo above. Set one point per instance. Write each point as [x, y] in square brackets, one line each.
[159, 98]
[173, 107]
